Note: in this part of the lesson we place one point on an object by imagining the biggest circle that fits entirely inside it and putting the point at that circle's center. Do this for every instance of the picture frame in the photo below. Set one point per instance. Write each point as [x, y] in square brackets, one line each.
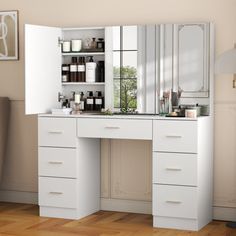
[9, 35]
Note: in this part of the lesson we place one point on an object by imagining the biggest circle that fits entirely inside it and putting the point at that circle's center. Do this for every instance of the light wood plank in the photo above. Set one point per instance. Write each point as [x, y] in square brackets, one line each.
[24, 220]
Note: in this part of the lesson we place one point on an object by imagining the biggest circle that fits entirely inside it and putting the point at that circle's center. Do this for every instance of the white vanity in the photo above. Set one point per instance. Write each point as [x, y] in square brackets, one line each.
[69, 145]
[69, 165]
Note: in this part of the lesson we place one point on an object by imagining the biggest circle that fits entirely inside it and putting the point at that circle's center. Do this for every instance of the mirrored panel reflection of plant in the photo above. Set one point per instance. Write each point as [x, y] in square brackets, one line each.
[125, 88]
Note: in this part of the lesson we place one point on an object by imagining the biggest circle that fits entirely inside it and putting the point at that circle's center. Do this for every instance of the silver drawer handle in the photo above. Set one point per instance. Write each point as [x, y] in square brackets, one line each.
[173, 168]
[112, 127]
[56, 193]
[173, 136]
[55, 162]
[55, 132]
[174, 202]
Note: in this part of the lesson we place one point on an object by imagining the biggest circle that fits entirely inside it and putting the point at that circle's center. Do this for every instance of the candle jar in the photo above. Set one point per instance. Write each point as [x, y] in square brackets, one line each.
[66, 46]
[76, 45]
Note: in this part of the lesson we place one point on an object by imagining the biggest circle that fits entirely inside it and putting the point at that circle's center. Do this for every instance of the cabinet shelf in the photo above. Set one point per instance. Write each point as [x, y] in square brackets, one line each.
[83, 53]
[82, 83]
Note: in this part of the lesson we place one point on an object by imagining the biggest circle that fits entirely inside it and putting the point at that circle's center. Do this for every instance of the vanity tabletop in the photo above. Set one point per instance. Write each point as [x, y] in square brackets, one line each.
[120, 116]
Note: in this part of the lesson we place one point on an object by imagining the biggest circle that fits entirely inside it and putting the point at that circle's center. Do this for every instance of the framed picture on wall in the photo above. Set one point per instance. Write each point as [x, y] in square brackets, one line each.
[9, 46]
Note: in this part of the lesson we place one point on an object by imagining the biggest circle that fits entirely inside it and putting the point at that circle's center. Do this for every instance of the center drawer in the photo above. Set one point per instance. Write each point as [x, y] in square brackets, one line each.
[57, 192]
[57, 162]
[114, 128]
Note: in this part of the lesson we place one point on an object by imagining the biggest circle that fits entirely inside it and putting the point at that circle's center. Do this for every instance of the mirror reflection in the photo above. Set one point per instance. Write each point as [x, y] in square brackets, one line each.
[150, 61]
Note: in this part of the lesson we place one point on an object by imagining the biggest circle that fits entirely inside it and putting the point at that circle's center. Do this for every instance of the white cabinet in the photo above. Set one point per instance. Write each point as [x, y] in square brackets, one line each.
[58, 167]
[182, 173]
[43, 61]
[69, 174]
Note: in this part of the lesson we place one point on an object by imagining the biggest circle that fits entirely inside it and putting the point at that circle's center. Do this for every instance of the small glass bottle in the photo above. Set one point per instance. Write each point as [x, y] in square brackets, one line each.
[100, 44]
[100, 72]
[65, 73]
[98, 101]
[82, 101]
[73, 69]
[93, 44]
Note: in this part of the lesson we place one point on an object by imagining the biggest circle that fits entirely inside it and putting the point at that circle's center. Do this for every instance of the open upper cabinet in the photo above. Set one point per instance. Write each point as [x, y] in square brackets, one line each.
[44, 58]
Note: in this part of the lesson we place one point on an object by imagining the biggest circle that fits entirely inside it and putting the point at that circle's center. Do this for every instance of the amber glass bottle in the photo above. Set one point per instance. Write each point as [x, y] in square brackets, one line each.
[73, 69]
[81, 69]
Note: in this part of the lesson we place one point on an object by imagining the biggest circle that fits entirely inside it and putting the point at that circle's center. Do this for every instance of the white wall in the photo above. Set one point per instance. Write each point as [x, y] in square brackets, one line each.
[20, 171]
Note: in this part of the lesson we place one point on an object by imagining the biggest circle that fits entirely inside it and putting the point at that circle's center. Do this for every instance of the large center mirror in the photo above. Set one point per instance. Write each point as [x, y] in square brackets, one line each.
[146, 62]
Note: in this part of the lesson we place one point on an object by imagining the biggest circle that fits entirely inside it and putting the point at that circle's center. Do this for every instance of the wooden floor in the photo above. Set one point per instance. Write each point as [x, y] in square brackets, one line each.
[23, 220]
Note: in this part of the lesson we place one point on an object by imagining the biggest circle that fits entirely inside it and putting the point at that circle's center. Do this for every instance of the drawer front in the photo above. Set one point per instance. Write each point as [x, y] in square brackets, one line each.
[114, 128]
[175, 136]
[57, 192]
[57, 162]
[175, 168]
[57, 132]
[175, 201]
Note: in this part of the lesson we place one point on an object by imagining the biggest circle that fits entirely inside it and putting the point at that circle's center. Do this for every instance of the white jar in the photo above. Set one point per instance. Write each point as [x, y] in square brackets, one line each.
[191, 113]
[76, 45]
[66, 46]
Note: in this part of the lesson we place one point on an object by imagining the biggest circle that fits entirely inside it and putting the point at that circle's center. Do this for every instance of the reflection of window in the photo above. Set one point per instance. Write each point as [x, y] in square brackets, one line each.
[125, 67]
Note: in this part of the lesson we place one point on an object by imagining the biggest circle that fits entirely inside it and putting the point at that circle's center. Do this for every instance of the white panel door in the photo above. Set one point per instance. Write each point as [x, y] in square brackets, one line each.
[42, 68]
[131, 174]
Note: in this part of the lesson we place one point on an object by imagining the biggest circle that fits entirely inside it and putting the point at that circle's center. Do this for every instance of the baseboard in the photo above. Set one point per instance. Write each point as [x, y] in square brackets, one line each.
[219, 213]
[224, 213]
[18, 197]
[133, 206]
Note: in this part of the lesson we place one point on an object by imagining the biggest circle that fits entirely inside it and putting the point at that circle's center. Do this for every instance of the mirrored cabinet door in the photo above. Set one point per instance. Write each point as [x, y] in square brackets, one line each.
[184, 59]
[190, 59]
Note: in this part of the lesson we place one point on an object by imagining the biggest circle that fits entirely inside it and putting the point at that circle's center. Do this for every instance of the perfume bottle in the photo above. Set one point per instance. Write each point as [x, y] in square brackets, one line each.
[93, 44]
[100, 44]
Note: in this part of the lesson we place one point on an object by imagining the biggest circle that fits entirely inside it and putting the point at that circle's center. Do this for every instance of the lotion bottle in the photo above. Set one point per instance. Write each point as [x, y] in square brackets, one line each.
[91, 71]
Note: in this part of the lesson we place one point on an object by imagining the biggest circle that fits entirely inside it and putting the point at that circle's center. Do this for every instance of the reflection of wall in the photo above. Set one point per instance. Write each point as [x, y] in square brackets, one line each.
[106, 12]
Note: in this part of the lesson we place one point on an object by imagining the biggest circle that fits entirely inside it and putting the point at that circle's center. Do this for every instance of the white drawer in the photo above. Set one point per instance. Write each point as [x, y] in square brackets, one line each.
[114, 128]
[175, 136]
[175, 168]
[57, 132]
[175, 201]
[57, 162]
[57, 192]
